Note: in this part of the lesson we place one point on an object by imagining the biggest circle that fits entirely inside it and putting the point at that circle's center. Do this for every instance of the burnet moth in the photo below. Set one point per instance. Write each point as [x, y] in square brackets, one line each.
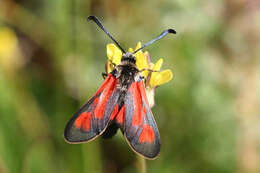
[120, 102]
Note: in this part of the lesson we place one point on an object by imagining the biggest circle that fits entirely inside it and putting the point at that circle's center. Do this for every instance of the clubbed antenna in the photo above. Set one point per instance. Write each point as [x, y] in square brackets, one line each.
[95, 19]
[163, 34]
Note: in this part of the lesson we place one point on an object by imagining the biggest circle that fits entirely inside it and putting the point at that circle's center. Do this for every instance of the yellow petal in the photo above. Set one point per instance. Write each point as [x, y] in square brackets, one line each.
[114, 53]
[109, 67]
[139, 45]
[141, 60]
[130, 50]
[157, 66]
[145, 73]
[161, 78]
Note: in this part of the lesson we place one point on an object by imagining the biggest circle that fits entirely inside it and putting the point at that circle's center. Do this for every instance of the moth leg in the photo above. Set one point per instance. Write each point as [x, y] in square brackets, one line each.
[150, 70]
[108, 65]
[112, 62]
[142, 77]
[104, 75]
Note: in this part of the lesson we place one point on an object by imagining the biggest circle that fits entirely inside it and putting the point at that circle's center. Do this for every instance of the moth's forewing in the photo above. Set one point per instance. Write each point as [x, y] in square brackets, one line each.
[93, 117]
[140, 128]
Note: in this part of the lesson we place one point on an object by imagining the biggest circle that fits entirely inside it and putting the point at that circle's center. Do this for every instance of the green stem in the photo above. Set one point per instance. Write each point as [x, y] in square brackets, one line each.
[141, 164]
[92, 159]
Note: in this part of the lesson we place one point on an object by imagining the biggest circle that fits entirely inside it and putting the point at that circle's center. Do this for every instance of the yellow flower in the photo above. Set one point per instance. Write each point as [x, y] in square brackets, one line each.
[151, 72]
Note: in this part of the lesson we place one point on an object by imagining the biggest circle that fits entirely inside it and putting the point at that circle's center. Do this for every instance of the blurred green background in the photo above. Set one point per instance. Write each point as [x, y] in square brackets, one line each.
[51, 60]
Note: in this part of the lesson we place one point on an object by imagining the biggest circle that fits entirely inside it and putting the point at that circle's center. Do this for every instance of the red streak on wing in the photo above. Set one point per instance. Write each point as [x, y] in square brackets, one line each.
[103, 98]
[106, 81]
[147, 134]
[120, 115]
[142, 91]
[115, 111]
[83, 121]
[96, 101]
[137, 118]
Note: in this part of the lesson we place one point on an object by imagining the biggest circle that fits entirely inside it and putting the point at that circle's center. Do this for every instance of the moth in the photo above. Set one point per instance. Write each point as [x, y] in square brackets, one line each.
[119, 103]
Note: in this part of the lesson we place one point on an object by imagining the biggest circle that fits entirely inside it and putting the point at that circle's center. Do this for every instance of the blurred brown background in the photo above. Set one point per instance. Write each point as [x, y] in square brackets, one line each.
[51, 60]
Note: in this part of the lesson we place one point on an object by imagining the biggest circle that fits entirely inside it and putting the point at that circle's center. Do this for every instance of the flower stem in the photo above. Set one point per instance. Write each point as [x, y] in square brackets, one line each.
[141, 164]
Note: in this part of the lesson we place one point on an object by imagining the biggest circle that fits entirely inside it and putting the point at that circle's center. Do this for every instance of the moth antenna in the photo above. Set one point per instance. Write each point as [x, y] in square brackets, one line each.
[95, 19]
[163, 34]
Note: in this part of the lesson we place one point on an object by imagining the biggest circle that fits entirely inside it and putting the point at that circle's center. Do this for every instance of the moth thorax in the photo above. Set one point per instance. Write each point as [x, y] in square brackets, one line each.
[129, 57]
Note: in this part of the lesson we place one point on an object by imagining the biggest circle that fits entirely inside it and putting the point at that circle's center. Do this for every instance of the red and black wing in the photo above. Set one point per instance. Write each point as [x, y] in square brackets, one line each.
[93, 117]
[140, 128]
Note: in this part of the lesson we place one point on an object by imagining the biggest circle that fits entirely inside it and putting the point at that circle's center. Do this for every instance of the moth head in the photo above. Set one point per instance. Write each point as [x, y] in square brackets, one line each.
[129, 57]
